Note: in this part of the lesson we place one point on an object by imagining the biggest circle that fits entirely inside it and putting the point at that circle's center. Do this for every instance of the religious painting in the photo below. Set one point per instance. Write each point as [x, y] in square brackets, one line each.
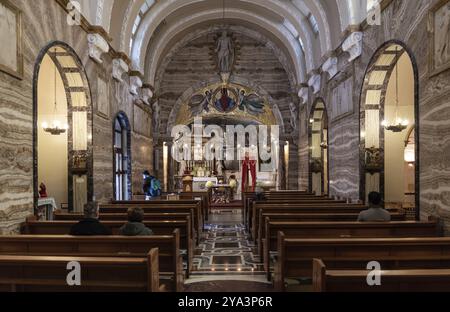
[102, 98]
[225, 100]
[11, 57]
[219, 99]
[439, 33]
[251, 103]
[200, 103]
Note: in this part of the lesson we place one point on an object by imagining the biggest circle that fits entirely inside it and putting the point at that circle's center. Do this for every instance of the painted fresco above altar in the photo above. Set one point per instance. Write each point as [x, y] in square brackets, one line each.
[220, 100]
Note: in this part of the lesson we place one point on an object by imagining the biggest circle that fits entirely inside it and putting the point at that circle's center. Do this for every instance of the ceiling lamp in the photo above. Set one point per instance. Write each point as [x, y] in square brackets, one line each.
[56, 128]
[399, 124]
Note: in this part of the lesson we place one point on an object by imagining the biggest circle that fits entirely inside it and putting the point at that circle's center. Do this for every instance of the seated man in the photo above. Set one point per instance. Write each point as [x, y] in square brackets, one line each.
[134, 226]
[90, 224]
[375, 212]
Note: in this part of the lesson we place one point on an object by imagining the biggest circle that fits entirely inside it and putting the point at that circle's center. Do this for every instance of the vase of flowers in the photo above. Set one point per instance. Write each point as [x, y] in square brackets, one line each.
[233, 183]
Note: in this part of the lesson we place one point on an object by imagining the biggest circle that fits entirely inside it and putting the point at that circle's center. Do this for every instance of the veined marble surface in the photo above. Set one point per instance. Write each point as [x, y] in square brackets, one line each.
[43, 23]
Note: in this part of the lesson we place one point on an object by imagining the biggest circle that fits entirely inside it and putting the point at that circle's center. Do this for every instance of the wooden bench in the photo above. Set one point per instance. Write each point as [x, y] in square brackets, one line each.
[248, 198]
[295, 255]
[205, 198]
[313, 207]
[343, 230]
[170, 261]
[62, 216]
[285, 202]
[33, 227]
[20, 273]
[314, 217]
[405, 280]
[193, 207]
[155, 216]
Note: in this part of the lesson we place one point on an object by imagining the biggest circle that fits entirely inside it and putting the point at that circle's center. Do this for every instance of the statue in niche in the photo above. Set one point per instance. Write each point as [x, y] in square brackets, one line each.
[199, 103]
[294, 116]
[155, 120]
[252, 103]
[225, 53]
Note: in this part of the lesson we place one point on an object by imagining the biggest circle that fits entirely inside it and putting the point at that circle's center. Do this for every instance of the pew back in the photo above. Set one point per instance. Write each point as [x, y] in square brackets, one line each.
[344, 230]
[42, 273]
[158, 228]
[295, 255]
[409, 280]
[101, 246]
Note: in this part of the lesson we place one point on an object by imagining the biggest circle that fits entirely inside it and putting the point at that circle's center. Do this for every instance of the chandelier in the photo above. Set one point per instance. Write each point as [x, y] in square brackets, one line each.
[56, 127]
[399, 124]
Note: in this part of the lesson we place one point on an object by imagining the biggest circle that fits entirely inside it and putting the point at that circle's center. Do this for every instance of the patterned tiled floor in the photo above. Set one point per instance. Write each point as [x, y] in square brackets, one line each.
[225, 248]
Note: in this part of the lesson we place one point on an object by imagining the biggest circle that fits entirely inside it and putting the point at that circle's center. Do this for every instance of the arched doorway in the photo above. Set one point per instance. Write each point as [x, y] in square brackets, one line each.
[122, 157]
[62, 159]
[389, 111]
[318, 151]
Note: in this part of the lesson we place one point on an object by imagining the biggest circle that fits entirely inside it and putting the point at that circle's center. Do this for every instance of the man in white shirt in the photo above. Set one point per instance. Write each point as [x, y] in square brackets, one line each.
[375, 212]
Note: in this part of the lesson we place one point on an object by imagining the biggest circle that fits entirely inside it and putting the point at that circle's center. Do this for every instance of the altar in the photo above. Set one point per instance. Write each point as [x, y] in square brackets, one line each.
[45, 209]
[199, 183]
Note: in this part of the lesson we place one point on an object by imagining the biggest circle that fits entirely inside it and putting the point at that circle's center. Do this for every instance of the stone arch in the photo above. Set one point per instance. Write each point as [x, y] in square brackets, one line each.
[79, 117]
[372, 112]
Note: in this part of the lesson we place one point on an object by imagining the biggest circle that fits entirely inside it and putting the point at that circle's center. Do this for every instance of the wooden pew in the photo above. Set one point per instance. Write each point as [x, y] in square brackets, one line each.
[205, 199]
[33, 227]
[314, 217]
[170, 261]
[343, 230]
[20, 273]
[312, 207]
[249, 197]
[62, 216]
[405, 280]
[155, 216]
[193, 207]
[295, 255]
[287, 201]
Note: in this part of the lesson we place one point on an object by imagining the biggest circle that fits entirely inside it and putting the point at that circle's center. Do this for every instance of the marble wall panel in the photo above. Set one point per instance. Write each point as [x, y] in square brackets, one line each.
[45, 22]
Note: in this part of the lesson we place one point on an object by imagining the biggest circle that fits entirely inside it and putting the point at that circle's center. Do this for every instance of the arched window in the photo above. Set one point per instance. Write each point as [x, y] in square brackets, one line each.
[122, 158]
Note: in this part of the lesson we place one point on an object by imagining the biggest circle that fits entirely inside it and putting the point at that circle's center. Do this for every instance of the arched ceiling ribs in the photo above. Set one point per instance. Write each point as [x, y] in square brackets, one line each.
[324, 29]
[149, 24]
[332, 16]
[294, 49]
[189, 35]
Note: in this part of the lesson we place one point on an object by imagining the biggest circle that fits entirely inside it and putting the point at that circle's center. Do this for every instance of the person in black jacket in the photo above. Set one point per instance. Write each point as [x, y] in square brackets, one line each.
[134, 226]
[90, 224]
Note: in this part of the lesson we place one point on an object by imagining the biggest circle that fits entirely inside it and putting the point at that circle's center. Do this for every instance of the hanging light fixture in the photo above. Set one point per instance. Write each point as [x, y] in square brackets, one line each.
[56, 128]
[399, 124]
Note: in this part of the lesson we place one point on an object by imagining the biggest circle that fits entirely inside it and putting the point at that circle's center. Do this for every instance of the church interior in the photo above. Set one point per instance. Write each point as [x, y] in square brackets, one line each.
[224, 146]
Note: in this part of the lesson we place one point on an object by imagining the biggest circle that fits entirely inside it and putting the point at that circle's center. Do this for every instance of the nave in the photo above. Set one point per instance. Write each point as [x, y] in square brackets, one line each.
[224, 145]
